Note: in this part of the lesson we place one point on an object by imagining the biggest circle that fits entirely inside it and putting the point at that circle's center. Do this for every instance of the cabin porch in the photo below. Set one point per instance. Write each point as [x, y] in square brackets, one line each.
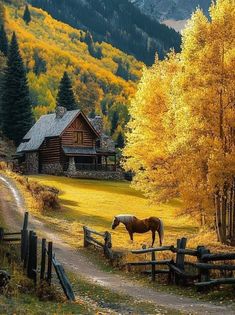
[91, 163]
[98, 168]
[88, 159]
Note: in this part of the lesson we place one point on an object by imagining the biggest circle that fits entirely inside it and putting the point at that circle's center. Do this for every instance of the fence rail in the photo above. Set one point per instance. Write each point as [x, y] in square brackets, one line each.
[105, 241]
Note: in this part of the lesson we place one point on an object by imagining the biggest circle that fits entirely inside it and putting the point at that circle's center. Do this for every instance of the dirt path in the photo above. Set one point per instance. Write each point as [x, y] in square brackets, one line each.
[76, 262]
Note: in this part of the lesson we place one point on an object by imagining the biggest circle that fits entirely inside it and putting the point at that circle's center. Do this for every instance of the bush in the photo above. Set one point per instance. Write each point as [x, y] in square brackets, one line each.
[47, 197]
[3, 166]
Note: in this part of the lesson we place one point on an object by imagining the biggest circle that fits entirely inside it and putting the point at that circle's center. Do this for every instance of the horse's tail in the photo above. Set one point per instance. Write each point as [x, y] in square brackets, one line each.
[161, 232]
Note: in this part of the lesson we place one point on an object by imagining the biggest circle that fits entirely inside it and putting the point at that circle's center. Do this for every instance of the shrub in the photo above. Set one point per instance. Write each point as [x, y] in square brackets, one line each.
[3, 166]
[47, 197]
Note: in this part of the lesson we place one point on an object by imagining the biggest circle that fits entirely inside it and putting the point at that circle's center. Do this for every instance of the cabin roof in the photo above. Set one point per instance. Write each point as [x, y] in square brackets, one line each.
[47, 126]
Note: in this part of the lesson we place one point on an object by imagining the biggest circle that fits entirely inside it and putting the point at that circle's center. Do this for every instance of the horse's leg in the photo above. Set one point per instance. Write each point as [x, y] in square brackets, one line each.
[153, 236]
[131, 235]
[160, 237]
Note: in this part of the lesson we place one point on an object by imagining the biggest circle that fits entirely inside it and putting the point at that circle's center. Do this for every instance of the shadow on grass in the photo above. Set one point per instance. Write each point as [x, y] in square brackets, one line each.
[118, 187]
[70, 215]
[183, 229]
[67, 202]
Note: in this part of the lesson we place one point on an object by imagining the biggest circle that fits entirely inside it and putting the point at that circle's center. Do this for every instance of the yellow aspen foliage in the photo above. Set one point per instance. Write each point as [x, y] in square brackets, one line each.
[180, 140]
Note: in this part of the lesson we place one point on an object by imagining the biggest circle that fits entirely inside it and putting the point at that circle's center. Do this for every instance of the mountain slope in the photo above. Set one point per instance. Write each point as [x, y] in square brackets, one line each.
[118, 22]
[171, 9]
[176, 10]
[50, 47]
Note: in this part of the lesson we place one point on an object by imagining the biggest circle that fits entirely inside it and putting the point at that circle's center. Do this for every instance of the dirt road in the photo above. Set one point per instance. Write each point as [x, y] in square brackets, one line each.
[13, 207]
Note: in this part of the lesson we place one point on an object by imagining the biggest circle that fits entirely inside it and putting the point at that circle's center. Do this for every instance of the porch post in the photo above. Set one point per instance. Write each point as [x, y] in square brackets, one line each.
[72, 166]
[96, 163]
[106, 163]
[115, 162]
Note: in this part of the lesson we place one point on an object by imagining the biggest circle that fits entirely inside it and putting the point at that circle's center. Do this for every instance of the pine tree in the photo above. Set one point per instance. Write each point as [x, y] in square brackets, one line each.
[16, 108]
[65, 95]
[40, 65]
[27, 15]
[2, 14]
[120, 140]
[2, 67]
[3, 41]
[114, 122]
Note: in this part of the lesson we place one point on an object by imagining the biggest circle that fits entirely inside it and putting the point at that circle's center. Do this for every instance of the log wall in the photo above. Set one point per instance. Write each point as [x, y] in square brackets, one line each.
[79, 125]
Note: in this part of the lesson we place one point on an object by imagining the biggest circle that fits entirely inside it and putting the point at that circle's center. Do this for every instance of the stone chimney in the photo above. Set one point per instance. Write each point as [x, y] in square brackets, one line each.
[97, 123]
[60, 111]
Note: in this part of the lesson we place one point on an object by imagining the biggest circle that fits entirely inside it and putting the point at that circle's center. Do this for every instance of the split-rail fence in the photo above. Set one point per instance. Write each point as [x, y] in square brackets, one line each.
[184, 272]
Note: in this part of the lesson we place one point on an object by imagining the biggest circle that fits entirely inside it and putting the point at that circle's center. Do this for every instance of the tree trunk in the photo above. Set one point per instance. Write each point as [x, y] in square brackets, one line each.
[217, 216]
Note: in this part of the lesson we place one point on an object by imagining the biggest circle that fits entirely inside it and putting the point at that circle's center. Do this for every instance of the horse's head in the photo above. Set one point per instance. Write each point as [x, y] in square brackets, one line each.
[115, 223]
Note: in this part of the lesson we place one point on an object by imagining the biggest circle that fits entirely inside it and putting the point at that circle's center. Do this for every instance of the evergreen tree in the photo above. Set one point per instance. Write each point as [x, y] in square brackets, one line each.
[40, 65]
[2, 67]
[65, 95]
[120, 140]
[88, 39]
[3, 41]
[123, 69]
[114, 122]
[17, 115]
[27, 15]
[2, 14]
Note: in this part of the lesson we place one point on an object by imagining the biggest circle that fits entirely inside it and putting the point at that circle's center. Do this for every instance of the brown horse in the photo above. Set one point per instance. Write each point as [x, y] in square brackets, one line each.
[134, 225]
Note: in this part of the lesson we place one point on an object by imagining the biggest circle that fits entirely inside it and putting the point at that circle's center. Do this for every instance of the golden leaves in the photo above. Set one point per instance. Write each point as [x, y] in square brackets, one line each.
[182, 136]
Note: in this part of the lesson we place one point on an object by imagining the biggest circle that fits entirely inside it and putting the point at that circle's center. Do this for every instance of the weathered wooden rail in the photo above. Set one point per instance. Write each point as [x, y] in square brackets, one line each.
[30, 257]
[104, 241]
[184, 272]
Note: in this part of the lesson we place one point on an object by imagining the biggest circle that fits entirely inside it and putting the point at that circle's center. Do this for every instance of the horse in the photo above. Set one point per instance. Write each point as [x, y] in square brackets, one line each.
[135, 225]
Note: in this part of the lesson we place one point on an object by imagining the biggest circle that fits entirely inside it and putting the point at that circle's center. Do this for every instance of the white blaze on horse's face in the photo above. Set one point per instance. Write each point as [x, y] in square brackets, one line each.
[115, 223]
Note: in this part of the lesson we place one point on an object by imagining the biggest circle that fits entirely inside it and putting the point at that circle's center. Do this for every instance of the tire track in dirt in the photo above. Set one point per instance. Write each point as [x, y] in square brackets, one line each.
[74, 261]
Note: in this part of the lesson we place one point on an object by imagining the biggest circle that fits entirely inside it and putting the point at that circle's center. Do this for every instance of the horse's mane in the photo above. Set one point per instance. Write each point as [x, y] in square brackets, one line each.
[125, 218]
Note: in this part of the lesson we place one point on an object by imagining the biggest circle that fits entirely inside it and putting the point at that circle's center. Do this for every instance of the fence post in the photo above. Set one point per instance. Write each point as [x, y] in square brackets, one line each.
[43, 260]
[204, 274]
[107, 244]
[34, 257]
[49, 265]
[86, 235]
[29, 262]
[24, 240]
[181, 244]
[26, 248]
[26, 220]
[1, 234]
[153, 267]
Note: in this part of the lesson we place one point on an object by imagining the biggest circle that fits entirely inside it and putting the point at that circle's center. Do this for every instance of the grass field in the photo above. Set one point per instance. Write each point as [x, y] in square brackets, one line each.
[95, 203]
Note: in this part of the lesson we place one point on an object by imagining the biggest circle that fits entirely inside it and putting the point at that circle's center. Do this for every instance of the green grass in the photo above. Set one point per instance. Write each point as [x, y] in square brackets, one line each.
[28, 304]
[95, 203]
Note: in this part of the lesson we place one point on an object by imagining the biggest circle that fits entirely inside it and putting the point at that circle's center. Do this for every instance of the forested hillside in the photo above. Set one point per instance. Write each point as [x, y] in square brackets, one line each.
[117, 22]
[103, 77]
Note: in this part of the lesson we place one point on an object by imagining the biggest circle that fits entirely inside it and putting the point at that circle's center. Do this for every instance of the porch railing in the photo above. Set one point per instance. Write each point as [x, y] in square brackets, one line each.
[95, 167]
[92, 167]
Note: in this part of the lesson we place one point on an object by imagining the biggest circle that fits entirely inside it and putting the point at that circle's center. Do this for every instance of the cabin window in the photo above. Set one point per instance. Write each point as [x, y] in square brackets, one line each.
[78, 137]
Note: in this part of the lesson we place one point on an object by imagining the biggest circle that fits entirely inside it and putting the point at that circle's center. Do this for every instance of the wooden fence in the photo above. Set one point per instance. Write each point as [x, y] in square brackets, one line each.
[104, 240]
[30, 257]
[184, 272]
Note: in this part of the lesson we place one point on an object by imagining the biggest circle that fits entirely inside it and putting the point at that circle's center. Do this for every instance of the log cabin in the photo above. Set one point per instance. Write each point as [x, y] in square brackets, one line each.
[68, 143]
